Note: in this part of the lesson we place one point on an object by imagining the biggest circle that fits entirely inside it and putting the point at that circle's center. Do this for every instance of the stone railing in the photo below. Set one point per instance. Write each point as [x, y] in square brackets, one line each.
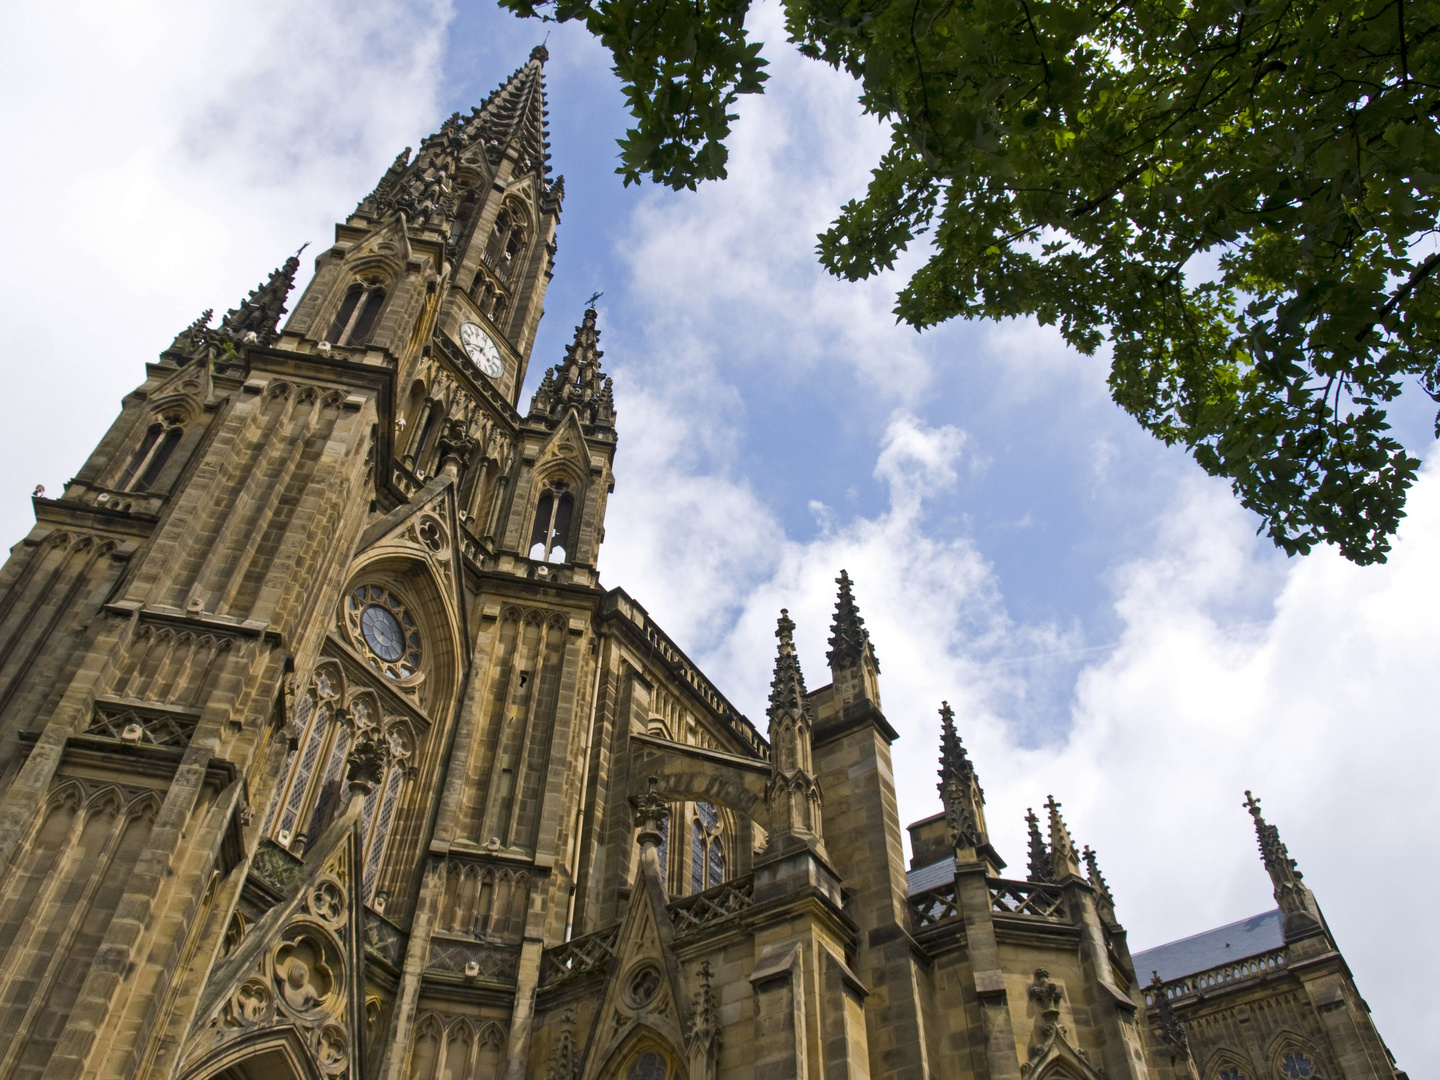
[694, 913]
[383, 939]
[934, 906]
[474, 959]
[1027, 898]
[579, 956]
[1235, 971]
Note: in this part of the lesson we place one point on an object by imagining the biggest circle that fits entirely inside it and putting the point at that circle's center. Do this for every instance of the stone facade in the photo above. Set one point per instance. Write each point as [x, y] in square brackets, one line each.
[324, 754]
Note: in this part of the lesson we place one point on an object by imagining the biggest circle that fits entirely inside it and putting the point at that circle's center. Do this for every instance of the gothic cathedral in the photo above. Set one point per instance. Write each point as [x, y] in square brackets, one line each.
[324, 755]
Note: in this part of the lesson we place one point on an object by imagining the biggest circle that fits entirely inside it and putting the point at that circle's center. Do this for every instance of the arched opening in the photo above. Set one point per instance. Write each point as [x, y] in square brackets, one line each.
[357, 314]
[707, 851]
[550, 535]
[161, 439]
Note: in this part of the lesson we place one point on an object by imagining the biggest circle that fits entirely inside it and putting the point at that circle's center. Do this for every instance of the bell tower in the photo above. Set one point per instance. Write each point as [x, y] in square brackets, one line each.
[451, 252]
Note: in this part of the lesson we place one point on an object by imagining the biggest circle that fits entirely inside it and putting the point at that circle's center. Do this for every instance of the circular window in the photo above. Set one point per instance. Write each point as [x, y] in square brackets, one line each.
[384, 631]
[643, 986]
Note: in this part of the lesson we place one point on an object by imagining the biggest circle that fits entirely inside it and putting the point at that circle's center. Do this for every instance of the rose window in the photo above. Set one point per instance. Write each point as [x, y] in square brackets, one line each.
[384, 631]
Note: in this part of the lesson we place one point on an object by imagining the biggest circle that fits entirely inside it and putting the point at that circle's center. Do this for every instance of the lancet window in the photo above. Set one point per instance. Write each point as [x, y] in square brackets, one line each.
[505, 248]
[357, 314]
[489, 298]
[315, 786]
[161, 439]
[707, 853]
[550, 535]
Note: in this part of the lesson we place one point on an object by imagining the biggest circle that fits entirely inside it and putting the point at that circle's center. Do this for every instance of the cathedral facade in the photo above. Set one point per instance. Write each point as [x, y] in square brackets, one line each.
[324, 754]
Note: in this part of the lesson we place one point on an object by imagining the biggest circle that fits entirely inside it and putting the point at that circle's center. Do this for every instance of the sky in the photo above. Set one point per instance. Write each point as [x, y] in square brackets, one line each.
[1102, 615]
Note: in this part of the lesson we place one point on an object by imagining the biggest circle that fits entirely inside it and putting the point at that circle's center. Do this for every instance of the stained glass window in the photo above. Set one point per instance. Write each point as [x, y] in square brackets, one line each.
[1297, 1065]
[648, 1066]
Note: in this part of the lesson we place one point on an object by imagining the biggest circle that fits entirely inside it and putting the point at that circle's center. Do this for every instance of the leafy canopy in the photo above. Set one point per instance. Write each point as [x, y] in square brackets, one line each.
[1241, 195]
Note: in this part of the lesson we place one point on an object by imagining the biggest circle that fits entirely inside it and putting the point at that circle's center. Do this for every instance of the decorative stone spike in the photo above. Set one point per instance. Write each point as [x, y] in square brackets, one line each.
[1170, 1028]
[1097, 879]
[1063, 856]
[793, 792]
[259, 314]
[959, 792]
[193, 336]
[1040, 868]
[578, 383]
[849, 640]
[1297, 904]
[787, 687]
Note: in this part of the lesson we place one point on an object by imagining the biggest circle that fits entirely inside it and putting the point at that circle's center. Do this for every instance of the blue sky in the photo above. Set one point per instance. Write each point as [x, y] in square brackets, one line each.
[1100, 613]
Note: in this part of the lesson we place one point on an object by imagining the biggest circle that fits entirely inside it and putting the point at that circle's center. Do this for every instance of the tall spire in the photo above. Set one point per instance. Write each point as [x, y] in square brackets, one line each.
[1063, 856]
[854, 669]
[959, 789]
[259, 314]
[577, 382]
[514, 115]
[793, 793]
[1040, 868]
[510, 123]
[1297, 903]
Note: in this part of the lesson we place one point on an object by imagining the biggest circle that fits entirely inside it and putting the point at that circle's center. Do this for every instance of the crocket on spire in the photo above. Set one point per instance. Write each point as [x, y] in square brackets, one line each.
[959, 790]
[1040, 868]
[1063, 856]
[793, 793]
[260, 312]
[1297, 903]
[849, 640]
[854, 670]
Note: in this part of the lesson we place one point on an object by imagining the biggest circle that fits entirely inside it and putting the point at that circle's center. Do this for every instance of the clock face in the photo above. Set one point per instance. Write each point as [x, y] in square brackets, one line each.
[482, 349]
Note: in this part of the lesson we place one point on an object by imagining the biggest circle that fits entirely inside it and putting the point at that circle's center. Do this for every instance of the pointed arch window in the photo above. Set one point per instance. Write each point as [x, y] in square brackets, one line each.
[357, 314]
[382, 802]
[707, 853]
[161, 439]
[550, 535]
[505, 248]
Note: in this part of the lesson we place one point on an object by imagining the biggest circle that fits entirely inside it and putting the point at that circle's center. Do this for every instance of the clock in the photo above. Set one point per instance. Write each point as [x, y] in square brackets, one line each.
[482, 349]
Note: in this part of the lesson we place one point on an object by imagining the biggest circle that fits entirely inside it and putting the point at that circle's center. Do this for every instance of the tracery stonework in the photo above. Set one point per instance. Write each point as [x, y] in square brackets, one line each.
[325, 754]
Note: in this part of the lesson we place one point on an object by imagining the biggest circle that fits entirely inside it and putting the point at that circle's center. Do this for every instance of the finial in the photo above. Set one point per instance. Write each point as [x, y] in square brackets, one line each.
[590, 304]
[1097, 879]
[1063, 855]
[958, 790]
[1171, 1030]
[954, 764]
[652, 813]
[849, 640]
[539, 52]
[787, 688]
[1040, 867]
[1272, 849]
[260, 312]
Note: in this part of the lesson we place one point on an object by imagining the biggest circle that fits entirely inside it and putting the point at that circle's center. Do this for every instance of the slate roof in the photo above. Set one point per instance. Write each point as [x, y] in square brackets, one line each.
[1235, 941]
[927, 877]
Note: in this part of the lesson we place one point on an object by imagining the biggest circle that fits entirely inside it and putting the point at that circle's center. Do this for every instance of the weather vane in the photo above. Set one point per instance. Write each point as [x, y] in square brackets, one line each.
[593, 297]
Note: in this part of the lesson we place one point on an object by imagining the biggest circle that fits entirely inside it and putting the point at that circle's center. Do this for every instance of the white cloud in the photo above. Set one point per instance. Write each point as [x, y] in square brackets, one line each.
[164, 157]
[1310, 681]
